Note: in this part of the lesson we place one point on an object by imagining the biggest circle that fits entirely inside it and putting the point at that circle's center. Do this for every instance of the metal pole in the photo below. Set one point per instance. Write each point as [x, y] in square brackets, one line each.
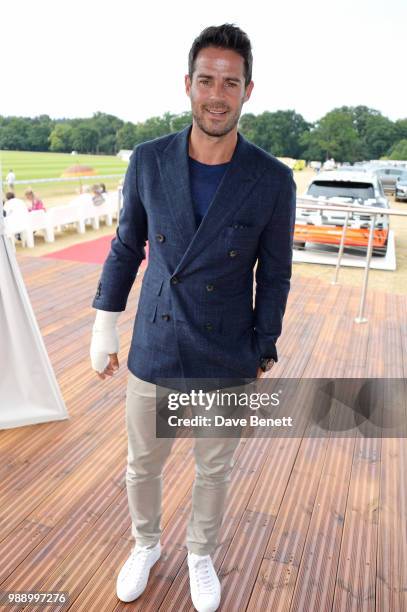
[10, 239]
[341, 247]
[119, 202]
[361, 318]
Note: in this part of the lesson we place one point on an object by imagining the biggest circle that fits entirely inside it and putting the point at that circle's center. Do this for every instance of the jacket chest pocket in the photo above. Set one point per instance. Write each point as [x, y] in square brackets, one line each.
[239, 236]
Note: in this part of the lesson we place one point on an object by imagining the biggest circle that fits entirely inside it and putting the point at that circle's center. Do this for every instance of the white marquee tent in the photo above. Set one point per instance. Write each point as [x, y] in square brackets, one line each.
[29, 391]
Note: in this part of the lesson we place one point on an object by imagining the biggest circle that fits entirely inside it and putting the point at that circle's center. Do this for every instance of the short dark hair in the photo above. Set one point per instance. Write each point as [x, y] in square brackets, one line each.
[10, 195]
[226, 36]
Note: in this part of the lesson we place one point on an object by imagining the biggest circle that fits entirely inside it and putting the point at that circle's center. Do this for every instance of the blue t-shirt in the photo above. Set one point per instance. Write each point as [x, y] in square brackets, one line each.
[205, 179]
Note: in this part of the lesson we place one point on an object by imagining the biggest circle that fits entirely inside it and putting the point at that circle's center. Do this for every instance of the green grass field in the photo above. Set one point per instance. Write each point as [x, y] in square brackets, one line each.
[28, 165]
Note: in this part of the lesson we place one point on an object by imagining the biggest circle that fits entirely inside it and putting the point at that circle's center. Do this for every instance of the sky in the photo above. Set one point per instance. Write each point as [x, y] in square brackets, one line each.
[72, 59]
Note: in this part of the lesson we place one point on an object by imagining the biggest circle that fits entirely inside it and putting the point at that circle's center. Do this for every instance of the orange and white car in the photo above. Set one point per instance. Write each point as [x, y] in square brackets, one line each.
[345, 189]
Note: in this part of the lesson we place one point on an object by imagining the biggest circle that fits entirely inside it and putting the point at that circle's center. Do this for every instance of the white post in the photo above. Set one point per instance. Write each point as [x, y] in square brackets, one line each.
[119, 202]
[341, 247]
[360, 318]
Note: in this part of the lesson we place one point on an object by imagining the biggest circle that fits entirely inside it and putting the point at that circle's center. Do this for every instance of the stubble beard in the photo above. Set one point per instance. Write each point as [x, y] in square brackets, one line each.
[210, 130]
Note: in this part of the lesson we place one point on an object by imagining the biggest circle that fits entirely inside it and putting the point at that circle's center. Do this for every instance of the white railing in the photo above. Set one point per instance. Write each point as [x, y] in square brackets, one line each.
[63, 179]
[307, 203]
[316, 204]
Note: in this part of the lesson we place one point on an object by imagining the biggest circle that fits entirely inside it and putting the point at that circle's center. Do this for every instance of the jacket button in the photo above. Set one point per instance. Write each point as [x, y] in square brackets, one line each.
[210, 287]
[235, 225]
[209, 326]
[160, 237]
[174, 280]
[166, 317]
[232, 253]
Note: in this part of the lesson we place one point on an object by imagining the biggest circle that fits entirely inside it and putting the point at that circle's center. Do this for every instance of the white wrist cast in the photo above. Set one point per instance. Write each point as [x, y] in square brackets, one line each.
[105, 339]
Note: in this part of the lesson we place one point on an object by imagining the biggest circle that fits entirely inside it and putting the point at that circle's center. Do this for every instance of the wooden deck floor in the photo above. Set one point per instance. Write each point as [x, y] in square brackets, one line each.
[311, 524]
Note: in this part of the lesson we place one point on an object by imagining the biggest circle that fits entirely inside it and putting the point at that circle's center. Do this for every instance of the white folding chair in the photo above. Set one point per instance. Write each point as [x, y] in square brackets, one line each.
[18, 223]
[66, 215]
[39, 221]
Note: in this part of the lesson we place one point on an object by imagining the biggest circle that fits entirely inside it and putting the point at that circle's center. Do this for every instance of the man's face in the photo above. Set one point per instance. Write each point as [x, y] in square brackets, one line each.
[217, 90]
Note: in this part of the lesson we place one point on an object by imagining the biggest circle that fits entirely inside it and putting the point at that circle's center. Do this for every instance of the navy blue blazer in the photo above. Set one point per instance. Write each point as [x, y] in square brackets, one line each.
[195, 315]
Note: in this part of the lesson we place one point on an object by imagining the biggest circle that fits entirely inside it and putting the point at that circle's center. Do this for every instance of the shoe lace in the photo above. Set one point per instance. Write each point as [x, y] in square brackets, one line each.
[204, 576]
[136, 562]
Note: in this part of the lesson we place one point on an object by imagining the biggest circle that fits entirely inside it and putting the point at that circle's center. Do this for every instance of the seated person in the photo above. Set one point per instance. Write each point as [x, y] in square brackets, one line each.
[97, 195]
[34, 202]
[14, 205]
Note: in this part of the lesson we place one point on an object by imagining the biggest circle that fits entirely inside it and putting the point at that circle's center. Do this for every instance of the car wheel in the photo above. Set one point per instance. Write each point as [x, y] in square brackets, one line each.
[380, 251]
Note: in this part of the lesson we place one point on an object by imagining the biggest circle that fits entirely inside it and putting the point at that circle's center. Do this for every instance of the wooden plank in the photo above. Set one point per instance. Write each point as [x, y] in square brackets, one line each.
[402, 318]
[305, 518]
[391, 573]
[92, 510]
[244, 477]
[316, 576]
[85, 585]
[355, 583]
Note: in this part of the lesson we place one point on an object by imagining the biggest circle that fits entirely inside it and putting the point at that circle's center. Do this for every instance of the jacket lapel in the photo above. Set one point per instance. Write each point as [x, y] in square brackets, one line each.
[174, 170]
[237, 182]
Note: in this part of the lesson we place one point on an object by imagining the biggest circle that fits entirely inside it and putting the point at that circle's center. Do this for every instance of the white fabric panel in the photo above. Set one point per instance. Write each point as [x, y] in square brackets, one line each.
[29, 391]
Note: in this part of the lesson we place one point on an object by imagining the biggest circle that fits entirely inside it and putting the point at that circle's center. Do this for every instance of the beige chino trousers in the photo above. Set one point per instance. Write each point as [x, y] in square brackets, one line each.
[146, 458]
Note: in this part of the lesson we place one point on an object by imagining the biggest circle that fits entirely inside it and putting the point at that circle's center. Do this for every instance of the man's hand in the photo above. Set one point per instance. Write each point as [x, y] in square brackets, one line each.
[105, 344]
[111, 367]
[261, 373]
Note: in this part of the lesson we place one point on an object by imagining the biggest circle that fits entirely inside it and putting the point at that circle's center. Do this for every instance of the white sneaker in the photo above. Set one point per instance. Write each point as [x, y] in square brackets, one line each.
[133, 577]
[204, 583]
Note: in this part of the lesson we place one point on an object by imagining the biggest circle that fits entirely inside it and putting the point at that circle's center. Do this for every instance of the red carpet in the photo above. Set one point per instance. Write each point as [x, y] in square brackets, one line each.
[92, 251]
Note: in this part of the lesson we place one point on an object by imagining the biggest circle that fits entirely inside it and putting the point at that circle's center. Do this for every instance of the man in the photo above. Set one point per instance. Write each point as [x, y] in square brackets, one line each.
[10, 180]
[210, 204]
[14, 205]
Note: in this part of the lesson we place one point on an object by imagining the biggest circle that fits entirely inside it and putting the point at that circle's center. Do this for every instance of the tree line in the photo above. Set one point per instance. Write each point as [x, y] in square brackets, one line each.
[347, 133]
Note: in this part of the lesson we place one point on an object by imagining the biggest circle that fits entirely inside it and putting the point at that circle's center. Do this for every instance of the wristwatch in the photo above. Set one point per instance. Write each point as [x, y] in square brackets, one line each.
[266, 363]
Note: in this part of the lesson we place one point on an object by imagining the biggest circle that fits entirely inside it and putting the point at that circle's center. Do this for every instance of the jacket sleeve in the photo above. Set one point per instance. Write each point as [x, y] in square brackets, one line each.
[274, 267]
[127, 248]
